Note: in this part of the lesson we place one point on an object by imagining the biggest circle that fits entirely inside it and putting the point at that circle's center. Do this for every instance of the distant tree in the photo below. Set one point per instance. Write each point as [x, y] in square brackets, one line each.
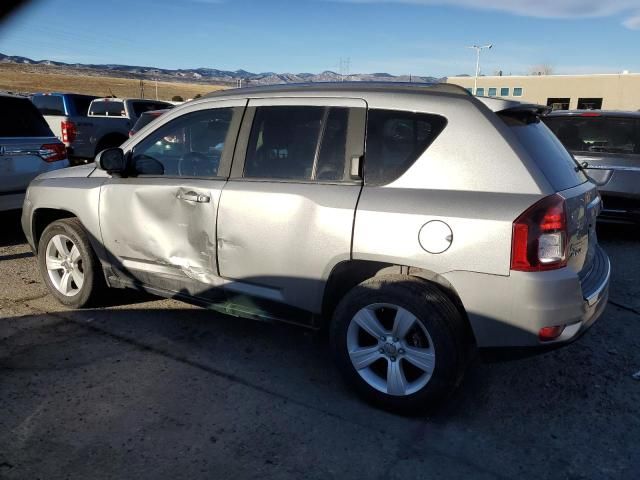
[198, 95]
[542, 69]
[177, 98]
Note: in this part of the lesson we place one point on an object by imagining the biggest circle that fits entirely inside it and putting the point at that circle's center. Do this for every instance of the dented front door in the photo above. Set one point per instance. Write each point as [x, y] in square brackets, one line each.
[159, 226]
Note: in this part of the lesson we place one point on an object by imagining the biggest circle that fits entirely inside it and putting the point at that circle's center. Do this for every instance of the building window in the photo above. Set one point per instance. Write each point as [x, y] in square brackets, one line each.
[517, 92]
[558, 103]
[493, 92]
[480, 92]
[504, 91]
[589, 103]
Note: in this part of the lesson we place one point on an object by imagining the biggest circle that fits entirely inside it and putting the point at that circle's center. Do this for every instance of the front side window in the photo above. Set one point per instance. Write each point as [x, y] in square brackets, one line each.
[597, 134]
[188, 146]
[298, 143]
[517, 92]
[395, 140]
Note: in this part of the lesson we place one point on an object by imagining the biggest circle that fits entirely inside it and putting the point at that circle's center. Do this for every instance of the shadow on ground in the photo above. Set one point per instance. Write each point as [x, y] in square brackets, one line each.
[11, 230]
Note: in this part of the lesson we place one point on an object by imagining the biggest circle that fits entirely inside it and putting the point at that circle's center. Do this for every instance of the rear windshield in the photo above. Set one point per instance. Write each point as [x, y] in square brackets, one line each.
[49, 104]
[550, 155]
[108, 108]
[20, 118]
[595, 134]
[140, 107]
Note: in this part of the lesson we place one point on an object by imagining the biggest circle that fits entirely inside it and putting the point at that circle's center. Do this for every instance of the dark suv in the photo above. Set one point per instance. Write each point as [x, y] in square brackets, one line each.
[609, 142]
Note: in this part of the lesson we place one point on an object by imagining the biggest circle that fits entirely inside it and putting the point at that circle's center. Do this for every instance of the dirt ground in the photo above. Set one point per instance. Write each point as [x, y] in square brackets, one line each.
[150, 388]
[34, 78]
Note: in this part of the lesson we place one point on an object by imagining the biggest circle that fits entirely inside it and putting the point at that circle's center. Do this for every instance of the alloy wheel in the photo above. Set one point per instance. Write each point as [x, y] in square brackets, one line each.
[390, 349]
[64, 265]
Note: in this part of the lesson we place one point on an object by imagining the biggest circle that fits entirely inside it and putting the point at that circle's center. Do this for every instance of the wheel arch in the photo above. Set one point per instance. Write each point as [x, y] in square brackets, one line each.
[348, 274]
[43, 217]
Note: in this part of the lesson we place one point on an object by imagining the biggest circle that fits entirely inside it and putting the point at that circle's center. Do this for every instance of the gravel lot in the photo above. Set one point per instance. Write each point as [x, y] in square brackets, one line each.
[153, 388]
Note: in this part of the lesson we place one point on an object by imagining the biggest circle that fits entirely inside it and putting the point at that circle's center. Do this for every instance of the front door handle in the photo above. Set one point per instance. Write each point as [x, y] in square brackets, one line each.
[194, 197]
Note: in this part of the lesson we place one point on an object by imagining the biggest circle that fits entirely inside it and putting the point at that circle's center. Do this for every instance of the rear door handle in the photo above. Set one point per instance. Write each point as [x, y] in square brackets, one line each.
[194, 197]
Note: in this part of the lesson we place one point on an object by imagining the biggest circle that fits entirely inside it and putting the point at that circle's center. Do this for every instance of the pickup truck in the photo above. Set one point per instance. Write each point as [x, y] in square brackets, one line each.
[88, 125]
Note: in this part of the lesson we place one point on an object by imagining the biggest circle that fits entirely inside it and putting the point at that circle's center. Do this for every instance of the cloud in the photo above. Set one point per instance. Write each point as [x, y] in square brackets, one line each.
[540, 8]
[632, 23]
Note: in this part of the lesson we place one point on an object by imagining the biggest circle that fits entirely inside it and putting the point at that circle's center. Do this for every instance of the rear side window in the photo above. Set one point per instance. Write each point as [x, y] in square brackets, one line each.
[108, 108]
[49, 104]
[395, 140]
[20, 118]
[297, 143]
[556, 163]
[595, 134]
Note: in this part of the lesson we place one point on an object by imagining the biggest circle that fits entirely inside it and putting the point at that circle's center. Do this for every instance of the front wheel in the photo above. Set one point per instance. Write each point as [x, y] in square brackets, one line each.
[400, 342]
[68, 264]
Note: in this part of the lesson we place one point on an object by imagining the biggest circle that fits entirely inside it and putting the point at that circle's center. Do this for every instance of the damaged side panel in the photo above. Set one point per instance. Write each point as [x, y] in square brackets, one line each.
[162, 232]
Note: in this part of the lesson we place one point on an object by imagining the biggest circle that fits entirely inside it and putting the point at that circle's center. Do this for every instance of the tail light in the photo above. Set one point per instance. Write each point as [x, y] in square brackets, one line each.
[53, 152]
[540, 237]
[69, 131]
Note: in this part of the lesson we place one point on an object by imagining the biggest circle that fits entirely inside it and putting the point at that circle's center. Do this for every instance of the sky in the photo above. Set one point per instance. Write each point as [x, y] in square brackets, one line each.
[419, 37]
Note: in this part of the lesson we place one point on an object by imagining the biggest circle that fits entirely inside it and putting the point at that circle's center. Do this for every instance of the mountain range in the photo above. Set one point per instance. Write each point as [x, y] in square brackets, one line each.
[212, 75]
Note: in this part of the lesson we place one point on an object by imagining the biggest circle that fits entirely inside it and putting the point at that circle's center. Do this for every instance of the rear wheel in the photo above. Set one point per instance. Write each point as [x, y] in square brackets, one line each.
[68, 264]
[400, 342]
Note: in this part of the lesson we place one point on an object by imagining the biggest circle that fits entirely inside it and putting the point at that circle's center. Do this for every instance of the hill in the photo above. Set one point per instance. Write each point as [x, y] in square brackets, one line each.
[204, 75]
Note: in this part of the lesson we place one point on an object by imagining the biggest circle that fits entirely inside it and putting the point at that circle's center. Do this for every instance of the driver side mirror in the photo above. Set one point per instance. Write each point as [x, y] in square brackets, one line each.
[111, 160]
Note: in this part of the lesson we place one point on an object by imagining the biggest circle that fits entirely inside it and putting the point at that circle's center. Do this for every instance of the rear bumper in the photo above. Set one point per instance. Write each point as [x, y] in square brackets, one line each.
[616, 208]
[510, 311]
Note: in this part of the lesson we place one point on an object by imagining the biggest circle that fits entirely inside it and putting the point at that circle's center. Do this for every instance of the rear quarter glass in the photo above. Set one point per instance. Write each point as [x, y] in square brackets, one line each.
[556, 163]
[20, 118]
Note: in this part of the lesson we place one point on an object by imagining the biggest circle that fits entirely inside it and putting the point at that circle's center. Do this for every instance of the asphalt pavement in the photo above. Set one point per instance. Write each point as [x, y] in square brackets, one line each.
[149, 388]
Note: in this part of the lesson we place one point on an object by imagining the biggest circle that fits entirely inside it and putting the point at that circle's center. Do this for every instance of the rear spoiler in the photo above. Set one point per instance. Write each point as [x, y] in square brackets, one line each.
[500, 105]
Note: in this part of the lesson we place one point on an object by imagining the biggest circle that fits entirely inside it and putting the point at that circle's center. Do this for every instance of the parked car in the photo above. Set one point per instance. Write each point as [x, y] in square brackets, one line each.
[112, 118]
[417, 223]
[88, 125]
[145, 119]
[67, 116]
[609, 143]
[27, 149]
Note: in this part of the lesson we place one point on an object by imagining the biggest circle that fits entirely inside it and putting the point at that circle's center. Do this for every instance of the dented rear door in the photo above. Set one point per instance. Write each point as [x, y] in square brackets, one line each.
[159, 226]
[286, 215]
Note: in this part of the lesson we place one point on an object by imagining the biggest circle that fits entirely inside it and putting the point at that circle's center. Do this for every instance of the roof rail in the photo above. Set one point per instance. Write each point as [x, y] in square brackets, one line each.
[344, 86]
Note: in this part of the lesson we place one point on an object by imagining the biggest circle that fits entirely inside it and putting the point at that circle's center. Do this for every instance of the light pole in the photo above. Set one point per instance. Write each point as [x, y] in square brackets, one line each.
[478, 49]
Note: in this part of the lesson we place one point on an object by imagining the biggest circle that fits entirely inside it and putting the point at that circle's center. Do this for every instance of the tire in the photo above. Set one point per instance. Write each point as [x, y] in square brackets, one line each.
[420, 326]
[80, 273]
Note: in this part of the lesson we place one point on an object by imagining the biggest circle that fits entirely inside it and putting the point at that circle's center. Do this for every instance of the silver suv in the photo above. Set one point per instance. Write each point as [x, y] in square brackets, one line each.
[418, 223]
